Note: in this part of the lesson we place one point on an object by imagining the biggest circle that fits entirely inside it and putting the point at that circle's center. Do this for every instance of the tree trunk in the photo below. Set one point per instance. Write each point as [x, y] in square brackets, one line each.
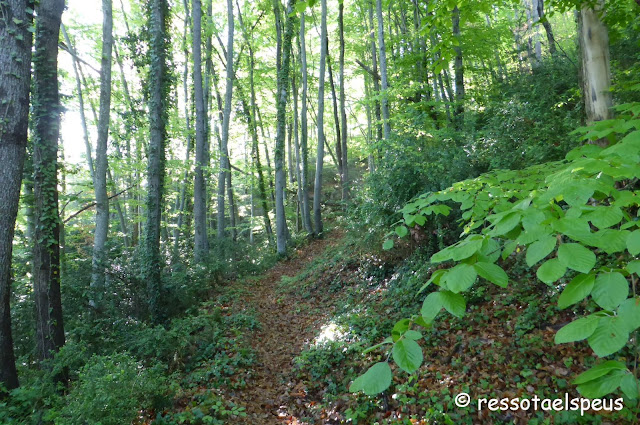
[159, 84]
[317, 195]
[344, 178]
[596, 68]
[383, 72]
[376, 81]
[15, 80]
[458, 68]
[100, 184]
[336, 118]
[304, 136]
[201, 245]
[224, 152]
[551, 40]
[46, 132]
[282, 95]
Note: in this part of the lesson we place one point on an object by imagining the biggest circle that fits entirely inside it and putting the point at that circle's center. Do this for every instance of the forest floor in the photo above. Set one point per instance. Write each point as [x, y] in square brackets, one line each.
[287, 324]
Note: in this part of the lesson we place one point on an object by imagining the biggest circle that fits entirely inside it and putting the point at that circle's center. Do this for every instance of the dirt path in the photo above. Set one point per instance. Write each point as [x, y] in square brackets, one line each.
[286, 324]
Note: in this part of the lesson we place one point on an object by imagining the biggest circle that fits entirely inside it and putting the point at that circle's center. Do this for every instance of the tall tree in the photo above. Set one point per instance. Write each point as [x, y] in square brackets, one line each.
[158, 83]
[458, 68]
[15, 81]
[304, 132]
[100, 181]
[344, 178]
[317, 190]
[201, 244]
[596, 66]
[46, 132]
[282, 95]
[224, 150]
[383, 72]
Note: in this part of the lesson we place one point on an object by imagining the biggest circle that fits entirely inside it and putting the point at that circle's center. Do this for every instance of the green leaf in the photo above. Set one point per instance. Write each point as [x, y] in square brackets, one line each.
[402, 231]
[506, 224]
[600, 387]
[465, 249]
[509, 248]
[460, 278]
[610, 336]
[408, 355]
[605, 216]
[578, 289]
[629, 386]
[431, 306]
[633, 242]
[576, 257]
[453, 303]
[633, 267]
[387, 340]
[551, 270]
[414, 335]
[540, 249]
[599, 371]
[610, 240]
[388, 244]
[629, 313]
[442, 255]
[577, 330]
[374, 381]
[610, 290]
[492, 273]
[577, 194]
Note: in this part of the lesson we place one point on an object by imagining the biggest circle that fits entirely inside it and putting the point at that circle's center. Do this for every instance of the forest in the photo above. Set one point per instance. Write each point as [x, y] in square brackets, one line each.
[319, 212]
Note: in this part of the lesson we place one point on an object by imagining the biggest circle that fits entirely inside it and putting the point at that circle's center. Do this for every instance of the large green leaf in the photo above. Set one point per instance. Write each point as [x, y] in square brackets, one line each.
[578, 289]
[598, 371]
[605, 216]
[610, 336]
[610, 240]
[540, 249]
[633, 242]
[629, 313]
[609, 290]
[431, 306]
[551, 270]
[460, 278]
[493, 273]
[602, 386]
[629, 386]
[374, 381]
[577, 330]
[576, 257]
[465, 249]
[453, 303]
[408, 355]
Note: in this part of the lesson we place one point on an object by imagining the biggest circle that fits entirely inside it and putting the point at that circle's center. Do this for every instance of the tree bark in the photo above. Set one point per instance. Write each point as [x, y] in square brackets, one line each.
[304, 135]
[383, 73]
[317, 196]
[343, 113]
[596, 67]
[159, 88]
[201, 245]
[458, 68]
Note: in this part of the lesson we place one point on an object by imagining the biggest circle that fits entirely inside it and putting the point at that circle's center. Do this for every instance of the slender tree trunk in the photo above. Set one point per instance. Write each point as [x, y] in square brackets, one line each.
[538, 7]
[458, 68]
[370, 140]
[383, 72]
[596, 67]
[158, 83]
[201, 245]
[304, 136]
[343, 113]
[336, 118]
[46, 132]
[376, 81]
[100, 184]
[317, 197]
[283, 89]
[224, 152]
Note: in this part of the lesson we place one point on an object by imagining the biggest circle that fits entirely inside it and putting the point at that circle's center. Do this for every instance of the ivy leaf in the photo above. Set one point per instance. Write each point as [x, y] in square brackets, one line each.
[373, 381]
[550, 271]
[453, 303]
[610, 290]
[492, 273]
[408, 355]
[610, 336]
[576, 257]
[633, 242]
[629, 313]
[460, 278]
[540, 249]
[577, 330]
[578, 289]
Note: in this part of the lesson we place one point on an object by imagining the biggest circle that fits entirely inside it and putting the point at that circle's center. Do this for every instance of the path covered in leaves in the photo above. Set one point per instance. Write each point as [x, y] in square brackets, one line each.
[286, 324]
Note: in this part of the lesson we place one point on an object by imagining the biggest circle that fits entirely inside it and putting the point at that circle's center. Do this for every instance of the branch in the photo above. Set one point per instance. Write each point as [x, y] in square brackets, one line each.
[93, 204]
[370, 71]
